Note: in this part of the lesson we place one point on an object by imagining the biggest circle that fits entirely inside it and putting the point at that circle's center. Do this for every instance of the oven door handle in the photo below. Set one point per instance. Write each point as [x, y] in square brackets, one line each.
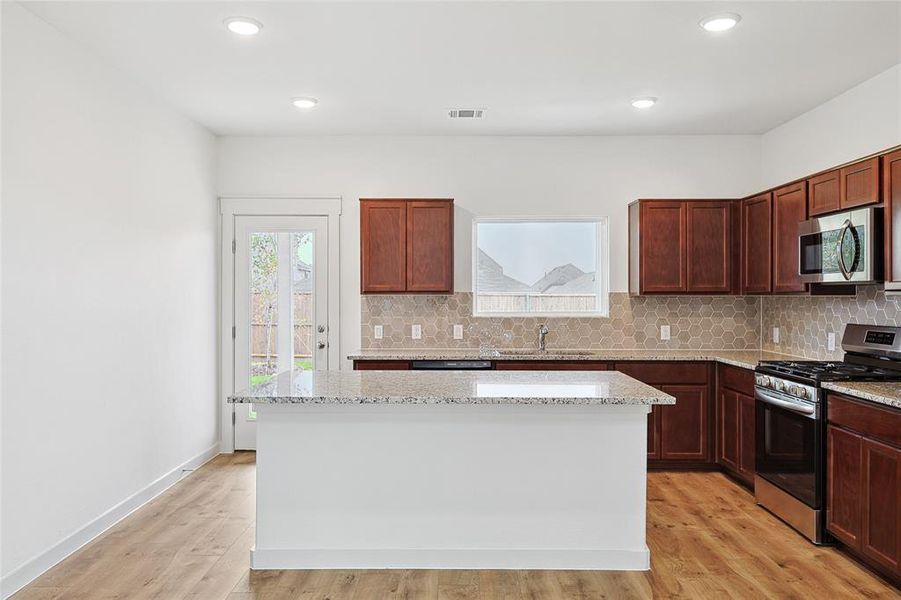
[838, 250]
[767, 398]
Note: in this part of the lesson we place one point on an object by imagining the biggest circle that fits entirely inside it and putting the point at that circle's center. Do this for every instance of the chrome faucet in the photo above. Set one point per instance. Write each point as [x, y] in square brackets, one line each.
[542, 333]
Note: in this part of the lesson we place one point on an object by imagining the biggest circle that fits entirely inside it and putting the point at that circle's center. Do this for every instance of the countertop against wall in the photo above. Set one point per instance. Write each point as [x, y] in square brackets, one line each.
[746, 359]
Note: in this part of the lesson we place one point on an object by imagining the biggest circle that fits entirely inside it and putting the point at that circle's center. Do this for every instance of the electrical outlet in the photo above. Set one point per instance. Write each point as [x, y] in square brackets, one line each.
[458, 332]
[378, 331]
[775, 335]
[417, 331]
[664, 332]
[830, 341]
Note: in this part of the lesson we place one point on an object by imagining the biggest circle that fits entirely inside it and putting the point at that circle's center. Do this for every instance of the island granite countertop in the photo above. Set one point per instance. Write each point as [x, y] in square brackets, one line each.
[453, 387]
[746, 359]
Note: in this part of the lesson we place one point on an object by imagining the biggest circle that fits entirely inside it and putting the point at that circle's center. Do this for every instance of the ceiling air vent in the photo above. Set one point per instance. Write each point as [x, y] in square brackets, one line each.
[466, 113]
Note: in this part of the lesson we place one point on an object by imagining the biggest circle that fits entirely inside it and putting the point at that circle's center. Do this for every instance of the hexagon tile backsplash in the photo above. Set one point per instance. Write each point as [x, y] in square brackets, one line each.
[804, 322]
[696, 322]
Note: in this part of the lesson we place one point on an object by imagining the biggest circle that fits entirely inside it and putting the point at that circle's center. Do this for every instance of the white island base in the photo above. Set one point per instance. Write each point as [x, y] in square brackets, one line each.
[451, 486]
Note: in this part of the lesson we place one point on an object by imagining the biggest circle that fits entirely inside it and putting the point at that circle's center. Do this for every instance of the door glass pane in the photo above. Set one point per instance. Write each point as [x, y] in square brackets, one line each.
[263, 307]
[302, 298]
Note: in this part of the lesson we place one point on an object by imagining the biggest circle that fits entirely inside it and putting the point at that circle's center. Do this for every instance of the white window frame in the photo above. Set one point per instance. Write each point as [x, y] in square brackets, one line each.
[602, 260]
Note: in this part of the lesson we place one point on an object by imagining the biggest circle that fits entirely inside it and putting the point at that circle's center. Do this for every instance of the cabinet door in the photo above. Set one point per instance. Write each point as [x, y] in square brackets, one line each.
[709, 239]
[860, 183]
[789, 209]
[747, 427]
[663, 243]
[881, 518]
[430, 246]
[756, 245]
[654, 433]
[683, 426]
[728, 429]
[383, 246]
[381, 365]
[844, 464]
[891, 197]
[824, 193]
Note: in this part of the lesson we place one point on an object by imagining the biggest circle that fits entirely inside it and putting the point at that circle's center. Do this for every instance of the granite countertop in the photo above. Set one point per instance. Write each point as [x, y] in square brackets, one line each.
[746, 359]
[453, 387]
[888, 393]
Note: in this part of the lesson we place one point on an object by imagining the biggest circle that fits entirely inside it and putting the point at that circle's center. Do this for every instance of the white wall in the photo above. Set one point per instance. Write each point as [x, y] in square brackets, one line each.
[488, 176]
[863, 120]
[109, 295]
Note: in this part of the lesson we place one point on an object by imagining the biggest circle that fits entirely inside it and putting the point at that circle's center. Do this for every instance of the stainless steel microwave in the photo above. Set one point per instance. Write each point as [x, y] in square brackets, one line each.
[844, 247]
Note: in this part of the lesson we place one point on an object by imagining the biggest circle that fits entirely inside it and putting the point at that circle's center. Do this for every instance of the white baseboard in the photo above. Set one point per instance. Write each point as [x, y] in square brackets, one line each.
[35, 567]
[452, 558]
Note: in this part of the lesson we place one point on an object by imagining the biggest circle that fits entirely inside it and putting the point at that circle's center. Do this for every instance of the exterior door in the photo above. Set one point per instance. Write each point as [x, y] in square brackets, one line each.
[280, 303]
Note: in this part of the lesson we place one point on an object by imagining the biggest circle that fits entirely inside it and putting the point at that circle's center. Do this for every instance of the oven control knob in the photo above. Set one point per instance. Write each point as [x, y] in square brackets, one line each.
[796, 390]
[763, 380]
[778, 385]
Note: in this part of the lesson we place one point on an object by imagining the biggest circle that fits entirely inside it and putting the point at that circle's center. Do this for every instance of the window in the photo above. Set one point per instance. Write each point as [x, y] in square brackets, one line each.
[540, 267]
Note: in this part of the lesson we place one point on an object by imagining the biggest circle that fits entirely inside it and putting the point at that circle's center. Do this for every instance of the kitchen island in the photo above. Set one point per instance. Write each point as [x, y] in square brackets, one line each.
[451, 470]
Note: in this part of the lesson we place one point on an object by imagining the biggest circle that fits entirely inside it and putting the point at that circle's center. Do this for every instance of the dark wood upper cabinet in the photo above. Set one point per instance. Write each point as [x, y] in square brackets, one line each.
[709, 241]
[891, 198]
[406, 246]
[854, 185]
[430, 246]
[789, 209]
[756, 246]
[681, 246]
[825, 192]
[383, 246]
[860, 183]
[662, 246]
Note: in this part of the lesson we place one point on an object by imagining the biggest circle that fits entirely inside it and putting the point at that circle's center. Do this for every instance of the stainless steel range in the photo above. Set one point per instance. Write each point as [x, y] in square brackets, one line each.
[791, 423]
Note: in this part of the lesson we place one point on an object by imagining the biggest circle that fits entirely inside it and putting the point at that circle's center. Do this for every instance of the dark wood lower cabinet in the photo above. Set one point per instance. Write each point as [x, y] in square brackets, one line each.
[844, 463]
[736, 421]
[727, 429]
[683, 425]
[863, 498]
[747, 438]
[679, 436]
[880, 538]
[653, 434]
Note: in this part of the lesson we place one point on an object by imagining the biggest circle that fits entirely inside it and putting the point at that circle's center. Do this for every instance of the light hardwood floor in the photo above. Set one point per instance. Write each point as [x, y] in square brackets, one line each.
[707, 537]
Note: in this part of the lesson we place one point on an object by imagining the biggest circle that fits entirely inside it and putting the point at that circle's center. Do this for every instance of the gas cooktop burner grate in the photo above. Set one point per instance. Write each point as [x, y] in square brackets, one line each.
[828, 371]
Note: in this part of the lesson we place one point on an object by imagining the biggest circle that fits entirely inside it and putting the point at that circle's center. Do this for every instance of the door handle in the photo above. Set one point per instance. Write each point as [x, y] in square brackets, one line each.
[321, 345]
[796, 407]
[838, 251]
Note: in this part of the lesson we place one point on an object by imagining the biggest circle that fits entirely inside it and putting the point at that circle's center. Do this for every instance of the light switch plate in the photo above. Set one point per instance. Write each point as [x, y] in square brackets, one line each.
[775, 335]
[416, 331]
[830, 341]
[664, 332]
[458, 332]
[378, 331]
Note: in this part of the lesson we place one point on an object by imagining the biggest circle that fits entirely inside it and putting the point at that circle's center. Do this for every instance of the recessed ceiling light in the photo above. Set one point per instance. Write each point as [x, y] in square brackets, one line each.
[305, 102]
[243, 25]
[644, 102]
[723, 22]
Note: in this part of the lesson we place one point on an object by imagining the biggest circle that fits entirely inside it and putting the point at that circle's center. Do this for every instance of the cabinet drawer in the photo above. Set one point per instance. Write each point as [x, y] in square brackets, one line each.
[381, 365]
[665, 371]
[737, 379]
[871, 420]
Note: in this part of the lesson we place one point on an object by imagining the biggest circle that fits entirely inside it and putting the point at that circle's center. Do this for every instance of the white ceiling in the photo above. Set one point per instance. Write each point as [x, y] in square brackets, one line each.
[538, 67]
